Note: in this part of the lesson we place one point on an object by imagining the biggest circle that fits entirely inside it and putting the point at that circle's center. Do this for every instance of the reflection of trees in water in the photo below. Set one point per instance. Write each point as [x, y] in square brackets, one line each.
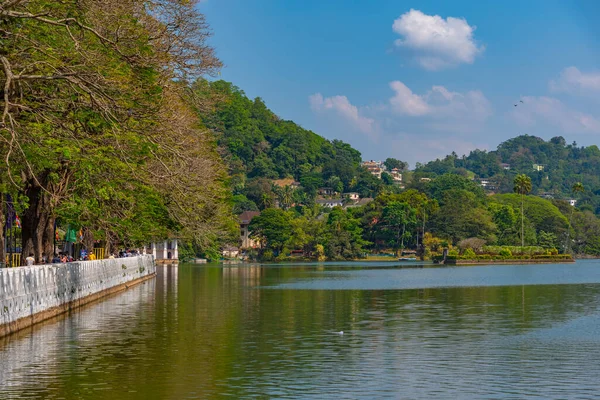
[229, 330]
[253, 330]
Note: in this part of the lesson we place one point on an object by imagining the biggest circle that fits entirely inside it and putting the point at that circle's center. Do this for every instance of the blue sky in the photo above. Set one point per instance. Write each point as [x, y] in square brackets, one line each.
[417, 80]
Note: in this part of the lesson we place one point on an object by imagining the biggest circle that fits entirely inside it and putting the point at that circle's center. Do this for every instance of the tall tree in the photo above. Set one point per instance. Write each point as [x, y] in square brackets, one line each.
[286, 196]
[522, 186]
[272, 227]
[397, 217]
[391, 163]
[97, 114]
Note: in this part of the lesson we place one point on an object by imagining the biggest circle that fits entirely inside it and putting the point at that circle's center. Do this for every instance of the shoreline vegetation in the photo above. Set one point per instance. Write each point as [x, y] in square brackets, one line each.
[113, 139]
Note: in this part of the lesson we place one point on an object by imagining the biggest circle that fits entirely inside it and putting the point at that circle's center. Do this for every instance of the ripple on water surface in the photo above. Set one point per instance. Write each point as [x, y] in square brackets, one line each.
[274, 332]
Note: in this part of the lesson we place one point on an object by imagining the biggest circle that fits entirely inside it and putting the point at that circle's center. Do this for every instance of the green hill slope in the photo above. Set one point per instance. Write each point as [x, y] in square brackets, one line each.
[553, 166]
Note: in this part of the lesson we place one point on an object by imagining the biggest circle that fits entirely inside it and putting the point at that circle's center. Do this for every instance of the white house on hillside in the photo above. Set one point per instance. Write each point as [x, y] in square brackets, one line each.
[330, 202]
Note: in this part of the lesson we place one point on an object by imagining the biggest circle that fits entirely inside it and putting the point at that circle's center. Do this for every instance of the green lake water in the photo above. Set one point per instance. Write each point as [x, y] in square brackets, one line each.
[250, 331]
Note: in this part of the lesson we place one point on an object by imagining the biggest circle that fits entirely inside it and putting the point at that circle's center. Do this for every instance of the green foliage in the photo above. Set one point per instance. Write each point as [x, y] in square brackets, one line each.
[398, 220]
[260, 147]
[260, 144]
[438, 187]
[387, 178]
[391, 163]
[241, 203]
[105, 130]
[469, 253]
[540, 213]
[272, 227]
[547, 240]
[505, 252]
[522, 184]
[564, 165]
[462, 215]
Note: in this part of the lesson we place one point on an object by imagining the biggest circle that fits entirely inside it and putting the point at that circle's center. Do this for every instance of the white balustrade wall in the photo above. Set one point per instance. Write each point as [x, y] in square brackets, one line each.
[26, 291]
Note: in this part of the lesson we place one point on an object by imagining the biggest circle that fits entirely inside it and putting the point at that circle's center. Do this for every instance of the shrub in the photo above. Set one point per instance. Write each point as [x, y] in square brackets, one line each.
[505, 252]
[267, 255]
[469, 253]
[473, 243]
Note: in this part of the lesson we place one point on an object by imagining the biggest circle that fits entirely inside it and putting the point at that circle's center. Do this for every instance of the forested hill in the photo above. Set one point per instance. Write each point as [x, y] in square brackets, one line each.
[259, 147]
[554, 167]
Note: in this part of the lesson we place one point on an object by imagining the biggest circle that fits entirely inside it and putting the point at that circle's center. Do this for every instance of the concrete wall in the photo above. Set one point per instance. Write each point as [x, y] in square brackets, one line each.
[32, 294]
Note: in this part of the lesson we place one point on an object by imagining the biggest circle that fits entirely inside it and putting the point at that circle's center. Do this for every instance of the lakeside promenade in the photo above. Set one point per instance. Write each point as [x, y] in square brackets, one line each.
[29, 295]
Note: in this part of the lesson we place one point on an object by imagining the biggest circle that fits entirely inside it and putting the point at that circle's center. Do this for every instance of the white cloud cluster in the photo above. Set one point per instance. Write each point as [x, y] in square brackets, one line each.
[572, 80]
[441, 104]
[548, 110]
[406, 102]
[345, 109]
[438, 42]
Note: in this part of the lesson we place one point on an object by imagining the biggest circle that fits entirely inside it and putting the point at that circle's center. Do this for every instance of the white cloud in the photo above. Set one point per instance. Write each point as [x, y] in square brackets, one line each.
[406, 102]
[458, 110]
[342, 106]
[415, 127]
[572, 80]
[438, 42]
[548, 110]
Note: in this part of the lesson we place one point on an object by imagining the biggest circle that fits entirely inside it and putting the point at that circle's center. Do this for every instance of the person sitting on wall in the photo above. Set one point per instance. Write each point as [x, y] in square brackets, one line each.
[92, 256]
[55, 259]
[44, 258]
[29, 261]
[63, 258]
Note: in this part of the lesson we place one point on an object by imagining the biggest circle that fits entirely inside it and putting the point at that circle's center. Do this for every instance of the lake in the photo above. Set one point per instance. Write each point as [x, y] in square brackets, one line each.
[275, 331]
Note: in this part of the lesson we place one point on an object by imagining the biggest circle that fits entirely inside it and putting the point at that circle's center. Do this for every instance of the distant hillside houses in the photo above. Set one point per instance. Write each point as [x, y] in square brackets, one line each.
[488, 184]
[376, 168]
[330, 203]
[538, 167]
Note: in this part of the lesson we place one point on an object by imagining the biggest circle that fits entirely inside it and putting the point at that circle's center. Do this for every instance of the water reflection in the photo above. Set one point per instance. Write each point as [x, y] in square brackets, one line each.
[252, 331]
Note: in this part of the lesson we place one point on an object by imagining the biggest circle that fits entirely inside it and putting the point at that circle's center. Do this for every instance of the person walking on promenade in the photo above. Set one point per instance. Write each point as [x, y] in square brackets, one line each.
[29, 261]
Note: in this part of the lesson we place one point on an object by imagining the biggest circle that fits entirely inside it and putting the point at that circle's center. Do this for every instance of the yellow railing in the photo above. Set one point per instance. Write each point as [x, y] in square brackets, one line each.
[99, 253]
[16, 257]
[15, 260]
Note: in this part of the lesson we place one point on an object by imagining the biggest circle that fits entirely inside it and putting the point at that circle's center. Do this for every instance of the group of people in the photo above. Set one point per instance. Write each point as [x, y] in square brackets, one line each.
[128, 253]
[58, 258]
[65, 257]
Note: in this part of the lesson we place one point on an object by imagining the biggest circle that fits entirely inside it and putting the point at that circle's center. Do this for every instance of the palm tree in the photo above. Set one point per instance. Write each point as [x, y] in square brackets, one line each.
[577, 188]
[522, 187]
[286, 196]
[266, 200]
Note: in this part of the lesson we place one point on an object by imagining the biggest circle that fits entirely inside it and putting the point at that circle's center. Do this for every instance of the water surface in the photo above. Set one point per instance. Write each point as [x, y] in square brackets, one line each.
[530, 331]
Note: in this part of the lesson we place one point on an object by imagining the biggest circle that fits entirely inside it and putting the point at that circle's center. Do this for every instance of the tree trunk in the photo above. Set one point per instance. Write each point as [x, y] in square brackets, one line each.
[522, 223]
[108, 244]
[48, 238]
[34, 222]
[402, 243]
[88, 240]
